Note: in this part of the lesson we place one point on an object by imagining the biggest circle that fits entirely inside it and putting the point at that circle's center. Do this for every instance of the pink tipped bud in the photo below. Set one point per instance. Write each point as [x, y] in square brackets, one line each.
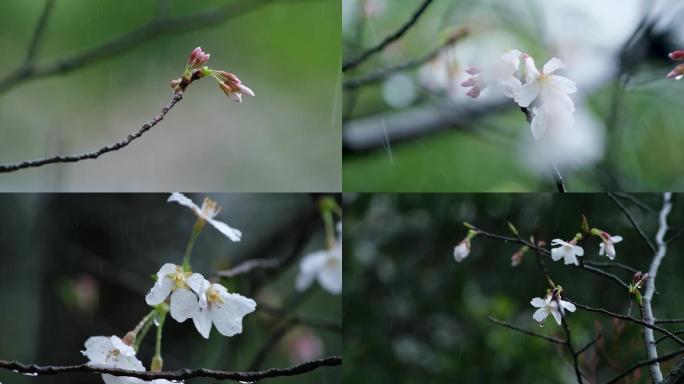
[175, 83]
[677, 55]
[198, 58]
[677, 73]
[468, 83]
[474, 92]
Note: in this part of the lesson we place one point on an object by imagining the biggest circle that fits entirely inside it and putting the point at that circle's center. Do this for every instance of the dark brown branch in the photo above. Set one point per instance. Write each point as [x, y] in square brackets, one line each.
[525, 331]
[589, 344]
[635, 201]
[668, 321]
[665, 337]
[632, 220]
[365, 55]
[6, 168]
[381, 74]
[181, 374]
[568, 344]
[628, 318]
[644, 363]
[611, 264]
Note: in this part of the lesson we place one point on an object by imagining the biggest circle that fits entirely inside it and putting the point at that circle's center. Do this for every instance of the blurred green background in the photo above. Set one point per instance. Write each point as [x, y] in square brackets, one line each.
[641, 119]
[284, 139]
[412, 314]
[76, 266]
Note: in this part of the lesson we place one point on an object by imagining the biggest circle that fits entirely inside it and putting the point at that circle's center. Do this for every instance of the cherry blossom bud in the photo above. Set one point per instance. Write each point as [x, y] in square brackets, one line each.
[677, 55]
[198, 58]
[677, 73]
[639, 279]
[175, 83]
[233, 87]
[129, 339]
[462, 250]
[517, 257]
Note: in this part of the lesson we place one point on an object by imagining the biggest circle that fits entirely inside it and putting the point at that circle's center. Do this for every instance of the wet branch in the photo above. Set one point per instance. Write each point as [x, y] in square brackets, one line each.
[365, 55]
[525, 331]
[181, 374]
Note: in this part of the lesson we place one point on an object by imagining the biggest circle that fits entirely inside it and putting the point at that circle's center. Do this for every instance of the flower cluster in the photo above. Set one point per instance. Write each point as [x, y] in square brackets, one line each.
[196, 68]
[543, 93]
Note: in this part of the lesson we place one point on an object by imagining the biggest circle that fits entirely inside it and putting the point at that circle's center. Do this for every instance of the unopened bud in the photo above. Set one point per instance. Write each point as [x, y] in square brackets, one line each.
[129, 339]
[677, 55]
[677, 73]
[157, 364]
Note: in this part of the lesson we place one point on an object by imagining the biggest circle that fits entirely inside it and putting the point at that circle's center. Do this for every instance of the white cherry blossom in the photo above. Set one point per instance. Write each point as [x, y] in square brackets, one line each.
[173, 280]
[325, 266]
[607, 246]
[566, 251]
[207, 212]
[112, 352]
[550, 90]
[548, 306]
[216, 305]
[501, 74]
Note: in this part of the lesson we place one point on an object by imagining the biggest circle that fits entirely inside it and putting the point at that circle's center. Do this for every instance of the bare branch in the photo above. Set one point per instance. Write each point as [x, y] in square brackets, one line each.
[568, 344]
[525, 331]
[611, 264]
[643, 363]
[181, 374]
[632, 220]
[589, 344]
[647, 310]
[39, 32]
[365, 55]
[381, 74]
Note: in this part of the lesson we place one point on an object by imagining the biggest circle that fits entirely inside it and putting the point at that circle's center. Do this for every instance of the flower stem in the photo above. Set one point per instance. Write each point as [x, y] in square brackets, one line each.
[329, 228]
[141, 329]
[196, 229]
[161, 316]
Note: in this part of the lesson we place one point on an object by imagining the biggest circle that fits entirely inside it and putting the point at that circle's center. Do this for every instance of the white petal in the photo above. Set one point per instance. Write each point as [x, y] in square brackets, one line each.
[183, 200]
[553, 65]
[602, 249]
[184, 304]
[235, 96]
[97, 349]
[540, 314]
[330, 276]
[227, 316]
[557, 242]
[556, 254]
[124, 348]
[231, 233]
[570, 258]
[531, 68]
[304, 280]
[510, 87]
[538, 302]
[202, 321]
[130, 363]
[528, 92]
[159, 292]
[111, 379]
[199, 285]
[563, 84]
[579, 251]
[568, 305]
[616, 239]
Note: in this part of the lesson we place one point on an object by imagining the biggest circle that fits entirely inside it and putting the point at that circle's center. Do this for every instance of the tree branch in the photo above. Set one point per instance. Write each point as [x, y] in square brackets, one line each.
[525, 331]
[365, 55]
[632, 220]
[647, 310]
[643, 363]
[39, 32]
[153, 28]
[181, 374]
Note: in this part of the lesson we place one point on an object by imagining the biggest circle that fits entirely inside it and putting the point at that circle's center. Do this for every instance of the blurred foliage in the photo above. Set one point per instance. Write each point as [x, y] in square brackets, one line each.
[412, 314]
[76, 266]
[284, 139]
[643, 142]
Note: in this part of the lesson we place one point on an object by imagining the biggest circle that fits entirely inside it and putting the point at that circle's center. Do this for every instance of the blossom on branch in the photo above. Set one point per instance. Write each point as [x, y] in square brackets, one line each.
[198, 58]
[232, 86]
[225, 310]
[462, 250]
[325, 266]
[551, 305]
[173, 280]
[502, 74]
[206, 213]
[607, 245]
[568, 251]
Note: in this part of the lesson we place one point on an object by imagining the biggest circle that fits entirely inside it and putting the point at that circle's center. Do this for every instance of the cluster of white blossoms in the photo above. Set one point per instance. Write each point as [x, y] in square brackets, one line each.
[542, 92]
[112, 352]
[325, 266]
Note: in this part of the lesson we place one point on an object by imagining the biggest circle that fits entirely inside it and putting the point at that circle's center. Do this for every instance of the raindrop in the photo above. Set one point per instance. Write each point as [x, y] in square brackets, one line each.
[30, 374]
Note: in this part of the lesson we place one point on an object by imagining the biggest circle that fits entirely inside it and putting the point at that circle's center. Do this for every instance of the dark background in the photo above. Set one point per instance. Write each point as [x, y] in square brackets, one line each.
[55, 249]
[412, 314]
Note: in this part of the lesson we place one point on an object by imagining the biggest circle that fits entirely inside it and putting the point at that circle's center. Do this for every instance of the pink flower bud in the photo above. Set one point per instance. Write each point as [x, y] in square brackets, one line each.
[175, 83]
[198, 58]
[473, 70]
[677, 55]
[677, 73]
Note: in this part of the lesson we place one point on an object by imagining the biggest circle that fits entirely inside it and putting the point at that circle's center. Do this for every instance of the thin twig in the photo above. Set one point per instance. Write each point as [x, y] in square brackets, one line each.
[668, 321]
[610, 264]
[39, 32]
[589, 344]
[643, 363]
[250, 265]
[647, 309]
[181, 374]
[383, 73]
[568, 344]
[661, 338]
[628, 318]
[5, 168]
[634, 200]
[632, 220]
[365, 55]
[525, 331]
[153, 28]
